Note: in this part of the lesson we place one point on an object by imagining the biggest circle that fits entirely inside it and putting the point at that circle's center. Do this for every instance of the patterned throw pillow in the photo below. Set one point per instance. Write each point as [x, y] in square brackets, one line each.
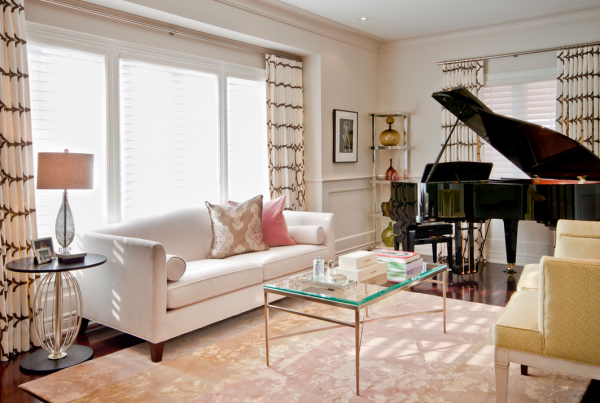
[236, 229]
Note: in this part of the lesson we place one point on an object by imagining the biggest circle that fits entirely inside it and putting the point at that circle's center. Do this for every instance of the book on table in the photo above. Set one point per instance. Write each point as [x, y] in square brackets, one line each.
[397, 256]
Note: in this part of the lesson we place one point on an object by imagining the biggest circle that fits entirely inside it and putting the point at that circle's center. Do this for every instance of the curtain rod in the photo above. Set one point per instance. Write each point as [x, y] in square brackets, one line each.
[172, 30]
[515, 54]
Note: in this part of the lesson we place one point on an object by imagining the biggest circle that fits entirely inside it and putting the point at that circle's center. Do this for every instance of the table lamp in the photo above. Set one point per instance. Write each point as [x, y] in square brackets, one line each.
[65, 171]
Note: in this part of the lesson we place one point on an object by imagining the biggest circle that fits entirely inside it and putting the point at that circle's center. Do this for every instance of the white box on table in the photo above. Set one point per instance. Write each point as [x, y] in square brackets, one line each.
[364, 273]
[358, 260]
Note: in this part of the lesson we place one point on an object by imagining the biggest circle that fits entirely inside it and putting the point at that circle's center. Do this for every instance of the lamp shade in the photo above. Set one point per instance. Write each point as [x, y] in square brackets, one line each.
[65, 171]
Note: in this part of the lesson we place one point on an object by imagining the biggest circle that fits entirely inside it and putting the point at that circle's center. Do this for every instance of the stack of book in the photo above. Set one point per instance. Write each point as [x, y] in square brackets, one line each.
[360, 266]
[400, 264]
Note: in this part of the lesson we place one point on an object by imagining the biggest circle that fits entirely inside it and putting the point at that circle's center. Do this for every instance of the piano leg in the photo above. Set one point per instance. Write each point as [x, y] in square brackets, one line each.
[471, 249]
[459, 267]
[511, 228]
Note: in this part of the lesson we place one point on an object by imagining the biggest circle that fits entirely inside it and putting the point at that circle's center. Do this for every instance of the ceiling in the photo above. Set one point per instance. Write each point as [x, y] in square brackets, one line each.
[391, 20]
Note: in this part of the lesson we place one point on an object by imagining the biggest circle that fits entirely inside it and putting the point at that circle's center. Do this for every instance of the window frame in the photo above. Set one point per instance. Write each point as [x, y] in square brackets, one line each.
[111, 49]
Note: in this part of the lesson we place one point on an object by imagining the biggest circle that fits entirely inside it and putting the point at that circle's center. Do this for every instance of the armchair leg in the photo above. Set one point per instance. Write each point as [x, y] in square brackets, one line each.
[501, 365]
[524, 370]
[501, 383]
[156, 351]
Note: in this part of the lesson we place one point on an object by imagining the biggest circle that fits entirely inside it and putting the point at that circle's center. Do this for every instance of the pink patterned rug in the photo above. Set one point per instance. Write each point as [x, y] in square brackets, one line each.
[405, 360]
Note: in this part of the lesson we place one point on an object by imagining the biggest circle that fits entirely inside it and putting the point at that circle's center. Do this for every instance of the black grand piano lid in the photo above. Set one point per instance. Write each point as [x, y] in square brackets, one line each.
[534, 149]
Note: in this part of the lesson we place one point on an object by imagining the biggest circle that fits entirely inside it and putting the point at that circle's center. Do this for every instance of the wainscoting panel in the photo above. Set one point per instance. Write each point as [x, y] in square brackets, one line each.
[352, 203]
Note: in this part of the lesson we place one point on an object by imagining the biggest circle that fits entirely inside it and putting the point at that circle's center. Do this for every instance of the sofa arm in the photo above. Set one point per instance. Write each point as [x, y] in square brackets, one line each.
[569, 307]
[324, 220]
[129, 291]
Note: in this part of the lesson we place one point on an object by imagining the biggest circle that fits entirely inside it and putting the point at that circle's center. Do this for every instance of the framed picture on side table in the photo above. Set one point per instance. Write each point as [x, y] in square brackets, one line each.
[44, 255]
[42, 243]
[345, 136]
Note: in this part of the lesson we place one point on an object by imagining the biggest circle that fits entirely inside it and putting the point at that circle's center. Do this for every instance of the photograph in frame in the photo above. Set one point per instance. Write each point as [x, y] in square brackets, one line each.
[40, 243]
[44, 255]
[345, 136]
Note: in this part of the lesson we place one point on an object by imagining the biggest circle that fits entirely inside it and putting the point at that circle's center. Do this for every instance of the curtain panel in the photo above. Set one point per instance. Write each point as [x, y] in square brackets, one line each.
[17, 215]
[285, 128]
[465, 144]
[578, 95]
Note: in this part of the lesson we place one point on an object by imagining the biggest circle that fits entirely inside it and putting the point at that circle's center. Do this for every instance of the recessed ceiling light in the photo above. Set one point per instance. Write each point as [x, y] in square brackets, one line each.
[363, 18]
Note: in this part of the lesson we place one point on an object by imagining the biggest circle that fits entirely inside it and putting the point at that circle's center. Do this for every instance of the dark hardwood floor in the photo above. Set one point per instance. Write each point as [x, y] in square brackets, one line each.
[489, 286]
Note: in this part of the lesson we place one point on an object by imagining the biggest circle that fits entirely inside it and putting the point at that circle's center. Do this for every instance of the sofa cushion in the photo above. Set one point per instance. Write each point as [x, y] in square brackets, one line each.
[175, 267]
[530, 277]
[517, 328]
[236, 229]
[307, 234]
[275, 230]
[282, 260]
[204, 279]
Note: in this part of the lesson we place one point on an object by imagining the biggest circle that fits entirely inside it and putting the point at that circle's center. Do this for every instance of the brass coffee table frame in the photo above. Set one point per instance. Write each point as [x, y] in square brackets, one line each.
[356, 308]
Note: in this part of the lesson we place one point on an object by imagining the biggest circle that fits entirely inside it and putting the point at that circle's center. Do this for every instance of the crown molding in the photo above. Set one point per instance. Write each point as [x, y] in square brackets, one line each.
[550, 20]
[290, 15]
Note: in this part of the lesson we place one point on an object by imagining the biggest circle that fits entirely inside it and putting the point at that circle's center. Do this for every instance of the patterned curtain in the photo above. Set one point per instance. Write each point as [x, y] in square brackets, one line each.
[465, 145]
[578, 95]
[17, 216]
[285, 121]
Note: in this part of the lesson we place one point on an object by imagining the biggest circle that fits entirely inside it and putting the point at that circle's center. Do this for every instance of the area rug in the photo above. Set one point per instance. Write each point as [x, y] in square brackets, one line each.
[405, 360]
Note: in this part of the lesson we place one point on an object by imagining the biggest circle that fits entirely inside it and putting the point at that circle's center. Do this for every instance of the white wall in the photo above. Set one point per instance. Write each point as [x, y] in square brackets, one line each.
[337, 75]
[408, 75]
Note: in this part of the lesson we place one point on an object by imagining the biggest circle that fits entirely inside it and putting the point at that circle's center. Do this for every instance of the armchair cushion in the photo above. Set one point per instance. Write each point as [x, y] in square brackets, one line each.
[577, 246]
[530, 277]
[517, 328]
[570, 308]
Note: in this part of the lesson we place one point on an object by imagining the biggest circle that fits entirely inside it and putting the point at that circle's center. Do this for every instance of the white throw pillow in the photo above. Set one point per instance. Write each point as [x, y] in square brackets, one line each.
[307, 234]
[175, 267]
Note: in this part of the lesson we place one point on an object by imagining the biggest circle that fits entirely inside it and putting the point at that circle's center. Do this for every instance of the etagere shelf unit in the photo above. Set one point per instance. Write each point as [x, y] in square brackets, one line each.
[381, 188]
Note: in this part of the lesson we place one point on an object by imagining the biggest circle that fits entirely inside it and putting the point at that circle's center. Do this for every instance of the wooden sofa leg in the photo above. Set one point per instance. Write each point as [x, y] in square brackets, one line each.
[524, 370]
[156, 351]
[84, 325]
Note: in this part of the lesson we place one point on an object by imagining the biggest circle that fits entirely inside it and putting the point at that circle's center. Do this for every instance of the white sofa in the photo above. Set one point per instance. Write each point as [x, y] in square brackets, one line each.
[130, 292]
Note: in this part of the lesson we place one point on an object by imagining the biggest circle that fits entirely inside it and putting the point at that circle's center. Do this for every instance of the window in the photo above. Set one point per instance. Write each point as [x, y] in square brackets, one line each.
[533, 102]
[169, 136]
[189, 129]
[247, 135]
[68, 111]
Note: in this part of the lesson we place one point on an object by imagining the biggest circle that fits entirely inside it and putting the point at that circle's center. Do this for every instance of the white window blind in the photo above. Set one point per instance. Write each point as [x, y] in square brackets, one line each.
[68, 109]
[248, 173]
[169, 135]
[533, 102]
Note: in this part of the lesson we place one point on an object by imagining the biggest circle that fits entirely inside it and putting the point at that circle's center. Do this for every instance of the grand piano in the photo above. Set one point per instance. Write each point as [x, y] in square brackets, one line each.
[563, 181]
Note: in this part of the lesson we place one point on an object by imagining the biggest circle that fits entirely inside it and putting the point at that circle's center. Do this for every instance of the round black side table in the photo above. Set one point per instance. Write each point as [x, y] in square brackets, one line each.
[49, 325]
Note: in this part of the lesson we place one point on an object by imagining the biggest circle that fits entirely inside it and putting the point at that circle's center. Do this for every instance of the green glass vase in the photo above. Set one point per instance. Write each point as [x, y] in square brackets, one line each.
[387, 236]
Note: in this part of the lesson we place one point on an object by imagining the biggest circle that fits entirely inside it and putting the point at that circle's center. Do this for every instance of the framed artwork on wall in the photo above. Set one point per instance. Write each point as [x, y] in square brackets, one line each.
[345, 136]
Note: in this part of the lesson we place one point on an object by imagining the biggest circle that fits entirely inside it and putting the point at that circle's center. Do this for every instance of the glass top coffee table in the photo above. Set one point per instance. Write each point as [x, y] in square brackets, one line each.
[356, 298]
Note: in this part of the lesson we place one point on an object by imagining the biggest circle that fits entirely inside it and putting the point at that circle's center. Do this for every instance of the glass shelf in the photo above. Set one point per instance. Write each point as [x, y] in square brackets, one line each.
[390, 148]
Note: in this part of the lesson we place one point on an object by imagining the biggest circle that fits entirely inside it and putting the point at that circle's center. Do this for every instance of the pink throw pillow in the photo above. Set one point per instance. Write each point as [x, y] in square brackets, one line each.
[275, 231]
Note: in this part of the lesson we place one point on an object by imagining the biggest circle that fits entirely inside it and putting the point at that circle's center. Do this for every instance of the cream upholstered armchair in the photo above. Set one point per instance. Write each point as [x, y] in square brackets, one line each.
[553, 320]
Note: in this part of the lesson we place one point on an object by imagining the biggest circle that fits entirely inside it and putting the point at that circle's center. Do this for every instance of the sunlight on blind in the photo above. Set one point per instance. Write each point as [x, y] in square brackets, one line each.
[68, 110]
[247, 139]
[533, 102]
[169, 137]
